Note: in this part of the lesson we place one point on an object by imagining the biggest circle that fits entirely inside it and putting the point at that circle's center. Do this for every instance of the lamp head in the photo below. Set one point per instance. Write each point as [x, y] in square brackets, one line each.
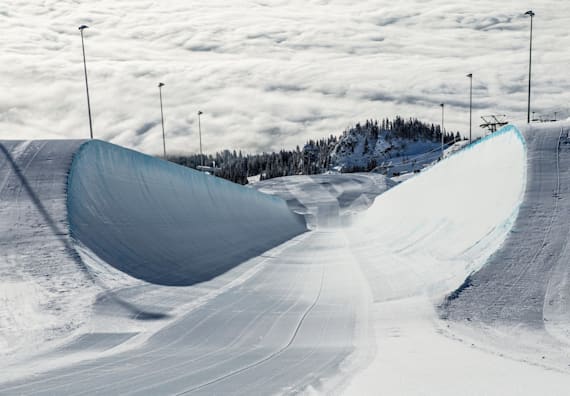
[200, 112]
[160, 85]
[82, 27]
[530, 13]
[470, 75]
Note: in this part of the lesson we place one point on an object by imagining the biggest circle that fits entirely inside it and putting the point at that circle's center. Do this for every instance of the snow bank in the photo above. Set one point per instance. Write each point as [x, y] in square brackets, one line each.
[429, 233]
[167, 224]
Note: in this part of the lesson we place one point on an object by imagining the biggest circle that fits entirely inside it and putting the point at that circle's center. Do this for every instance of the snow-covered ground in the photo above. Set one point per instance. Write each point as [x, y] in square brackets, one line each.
[289, 319]
[85, 246]
[328, 200]
[43, 289]
[519, 300]
[350, 307]
[431, 242]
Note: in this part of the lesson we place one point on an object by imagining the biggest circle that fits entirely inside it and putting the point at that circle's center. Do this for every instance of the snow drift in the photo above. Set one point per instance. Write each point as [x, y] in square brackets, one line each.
[167, 224]
[429, 233]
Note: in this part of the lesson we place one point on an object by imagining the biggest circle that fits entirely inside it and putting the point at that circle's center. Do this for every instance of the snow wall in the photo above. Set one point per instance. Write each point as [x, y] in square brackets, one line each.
[527, 281]
[167, 224]
[433, 230]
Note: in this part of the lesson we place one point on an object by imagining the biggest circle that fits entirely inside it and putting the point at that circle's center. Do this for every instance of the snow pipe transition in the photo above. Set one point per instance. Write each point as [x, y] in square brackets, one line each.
[438, 227]
[526, 281]
[167, 224]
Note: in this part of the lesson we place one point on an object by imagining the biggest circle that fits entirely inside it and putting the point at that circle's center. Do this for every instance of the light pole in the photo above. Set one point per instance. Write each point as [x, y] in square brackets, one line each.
[160, 85]
[442, 119]
[81, 29]
[531, 14]
[200, 135]
[470, 75]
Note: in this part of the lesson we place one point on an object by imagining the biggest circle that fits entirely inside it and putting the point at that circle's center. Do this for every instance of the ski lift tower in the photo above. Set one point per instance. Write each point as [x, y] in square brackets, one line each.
[494, 122]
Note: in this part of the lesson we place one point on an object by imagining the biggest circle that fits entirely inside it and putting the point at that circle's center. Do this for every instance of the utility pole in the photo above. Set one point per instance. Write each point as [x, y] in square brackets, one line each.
[442, 129]
[470, 75]
[160, 85]
[81, 29]
[200, 135]
[531, 14]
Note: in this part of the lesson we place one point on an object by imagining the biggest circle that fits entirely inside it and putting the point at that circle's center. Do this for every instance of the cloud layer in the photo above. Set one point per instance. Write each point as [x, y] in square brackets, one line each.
[270, 74]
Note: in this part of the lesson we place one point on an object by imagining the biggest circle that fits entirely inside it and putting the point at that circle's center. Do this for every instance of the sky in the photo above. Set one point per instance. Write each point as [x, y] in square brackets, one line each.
[270, 74]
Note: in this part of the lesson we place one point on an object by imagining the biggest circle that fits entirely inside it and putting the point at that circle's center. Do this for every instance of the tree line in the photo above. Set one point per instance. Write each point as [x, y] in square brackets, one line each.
[316, 156]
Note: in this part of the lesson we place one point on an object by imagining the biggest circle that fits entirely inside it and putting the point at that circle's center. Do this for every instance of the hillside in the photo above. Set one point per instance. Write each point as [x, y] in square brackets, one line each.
[388, 146]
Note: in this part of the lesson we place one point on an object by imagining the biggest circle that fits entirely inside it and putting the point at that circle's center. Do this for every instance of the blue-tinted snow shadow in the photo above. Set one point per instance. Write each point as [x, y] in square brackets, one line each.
[167, 224]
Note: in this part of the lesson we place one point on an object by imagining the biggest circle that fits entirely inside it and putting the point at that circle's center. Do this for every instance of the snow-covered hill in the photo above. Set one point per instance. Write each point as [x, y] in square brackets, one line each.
[392, 149]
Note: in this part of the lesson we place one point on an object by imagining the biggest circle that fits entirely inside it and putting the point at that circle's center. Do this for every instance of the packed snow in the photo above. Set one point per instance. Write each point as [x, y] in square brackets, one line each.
[166, 224]
[83, 255]
[327, 200]
[382, 296]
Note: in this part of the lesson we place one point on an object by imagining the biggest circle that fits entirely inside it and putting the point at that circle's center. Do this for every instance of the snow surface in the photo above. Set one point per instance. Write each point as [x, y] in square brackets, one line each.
[59, 295]
[328, 200]
[437, 228]
[44, 289]
[392, 155]
[350, 307]
[523, 288]
[166, 224]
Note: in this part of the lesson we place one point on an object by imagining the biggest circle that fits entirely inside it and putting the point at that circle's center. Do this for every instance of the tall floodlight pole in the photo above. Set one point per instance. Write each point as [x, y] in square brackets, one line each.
[470, 75]
[200, 135]
[442, 119]
[531, 14]
[160, 85]
[81, 29]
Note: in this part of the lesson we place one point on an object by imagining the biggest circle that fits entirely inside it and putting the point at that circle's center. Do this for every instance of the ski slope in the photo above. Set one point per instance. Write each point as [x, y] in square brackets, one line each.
[354, 306]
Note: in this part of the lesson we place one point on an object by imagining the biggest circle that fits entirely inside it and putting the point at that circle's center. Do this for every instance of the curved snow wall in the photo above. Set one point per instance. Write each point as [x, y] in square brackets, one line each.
[426, 235]
[167, 224]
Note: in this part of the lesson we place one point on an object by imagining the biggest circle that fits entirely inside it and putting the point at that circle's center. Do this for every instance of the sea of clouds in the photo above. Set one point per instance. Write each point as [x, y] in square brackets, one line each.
[269, 74]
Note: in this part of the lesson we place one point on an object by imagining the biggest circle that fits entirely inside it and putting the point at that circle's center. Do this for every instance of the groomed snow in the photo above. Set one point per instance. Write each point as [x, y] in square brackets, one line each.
[519, 302]
[327, 200]
[350, 307]
[435, 229]
[43, 289]
[166, 224]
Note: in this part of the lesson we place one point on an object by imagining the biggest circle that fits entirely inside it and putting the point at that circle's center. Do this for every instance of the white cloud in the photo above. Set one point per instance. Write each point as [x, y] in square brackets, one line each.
[269, 74]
